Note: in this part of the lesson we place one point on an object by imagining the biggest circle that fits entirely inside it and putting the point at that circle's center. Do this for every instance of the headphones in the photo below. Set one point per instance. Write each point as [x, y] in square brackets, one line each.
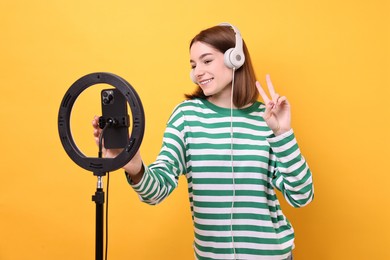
[234, 58]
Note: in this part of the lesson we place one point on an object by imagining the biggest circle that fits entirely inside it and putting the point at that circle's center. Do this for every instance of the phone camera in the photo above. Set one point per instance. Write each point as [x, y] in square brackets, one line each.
[108, 97]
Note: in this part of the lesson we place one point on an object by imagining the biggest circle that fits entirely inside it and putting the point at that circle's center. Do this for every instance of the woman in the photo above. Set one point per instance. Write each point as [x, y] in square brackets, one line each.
[233, 150]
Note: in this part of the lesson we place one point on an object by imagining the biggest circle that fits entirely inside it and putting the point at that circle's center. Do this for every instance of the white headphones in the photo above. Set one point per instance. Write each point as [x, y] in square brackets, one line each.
[234, 58]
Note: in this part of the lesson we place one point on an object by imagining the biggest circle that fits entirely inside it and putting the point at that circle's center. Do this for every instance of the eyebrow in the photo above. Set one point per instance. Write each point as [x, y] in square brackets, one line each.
[203, 55]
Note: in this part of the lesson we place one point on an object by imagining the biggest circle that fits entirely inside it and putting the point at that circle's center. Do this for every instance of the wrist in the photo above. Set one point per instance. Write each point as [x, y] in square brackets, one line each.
[281, 131]
[135, 175]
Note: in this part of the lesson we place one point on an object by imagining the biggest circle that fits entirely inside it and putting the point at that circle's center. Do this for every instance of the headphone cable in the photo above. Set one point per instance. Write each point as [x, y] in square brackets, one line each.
[231, 160]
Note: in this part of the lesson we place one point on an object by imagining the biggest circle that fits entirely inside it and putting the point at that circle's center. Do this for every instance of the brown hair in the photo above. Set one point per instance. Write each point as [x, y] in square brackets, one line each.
[222, 38]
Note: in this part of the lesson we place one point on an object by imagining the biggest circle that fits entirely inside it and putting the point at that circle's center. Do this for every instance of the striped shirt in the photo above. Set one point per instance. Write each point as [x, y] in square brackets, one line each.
[232, 165]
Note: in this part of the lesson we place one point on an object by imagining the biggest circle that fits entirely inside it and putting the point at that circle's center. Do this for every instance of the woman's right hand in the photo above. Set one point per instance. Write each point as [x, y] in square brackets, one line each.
[134, 167]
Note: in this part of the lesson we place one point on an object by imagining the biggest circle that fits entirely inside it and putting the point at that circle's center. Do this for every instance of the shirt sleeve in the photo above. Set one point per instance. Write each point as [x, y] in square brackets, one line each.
[292, 175]
[161, 177]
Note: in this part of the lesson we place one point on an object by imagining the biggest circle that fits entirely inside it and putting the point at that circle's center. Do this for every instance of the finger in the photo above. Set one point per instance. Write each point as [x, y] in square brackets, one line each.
[95, 121]
[275, 98]
[282, 100]
[270, 86]
[278, 102]
[96, 132]
[262, 93]
[268, 110]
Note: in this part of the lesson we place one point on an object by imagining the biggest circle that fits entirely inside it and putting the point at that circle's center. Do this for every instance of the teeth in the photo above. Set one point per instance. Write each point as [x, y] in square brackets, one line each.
[205, 81]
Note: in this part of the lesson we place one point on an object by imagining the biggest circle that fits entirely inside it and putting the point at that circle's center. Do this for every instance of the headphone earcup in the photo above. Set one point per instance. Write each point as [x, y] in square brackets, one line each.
[226, 57]
[192, 76]
[233, 58]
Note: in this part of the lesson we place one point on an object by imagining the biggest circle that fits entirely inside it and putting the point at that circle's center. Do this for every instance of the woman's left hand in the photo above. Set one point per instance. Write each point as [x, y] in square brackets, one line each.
[277, 113]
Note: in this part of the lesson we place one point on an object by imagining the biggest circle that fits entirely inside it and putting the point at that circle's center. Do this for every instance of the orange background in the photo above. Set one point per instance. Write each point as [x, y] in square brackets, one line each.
[330, 58]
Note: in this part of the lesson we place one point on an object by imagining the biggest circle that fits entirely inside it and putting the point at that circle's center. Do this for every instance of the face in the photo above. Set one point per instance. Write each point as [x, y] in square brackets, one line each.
[210, 72]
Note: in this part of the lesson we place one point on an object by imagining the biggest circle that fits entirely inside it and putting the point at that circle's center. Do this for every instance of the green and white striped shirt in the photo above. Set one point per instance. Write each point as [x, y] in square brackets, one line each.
[234, 207]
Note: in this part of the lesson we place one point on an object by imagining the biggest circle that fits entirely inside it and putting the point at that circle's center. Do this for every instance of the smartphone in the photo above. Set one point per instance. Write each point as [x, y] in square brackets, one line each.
[114, 107]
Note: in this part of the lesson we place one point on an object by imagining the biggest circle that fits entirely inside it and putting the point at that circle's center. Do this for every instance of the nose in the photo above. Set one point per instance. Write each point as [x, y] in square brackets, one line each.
[198, 72]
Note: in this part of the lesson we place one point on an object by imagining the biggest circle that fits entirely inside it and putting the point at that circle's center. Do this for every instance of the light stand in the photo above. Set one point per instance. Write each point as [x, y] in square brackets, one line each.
[98, 198]
[100, 166]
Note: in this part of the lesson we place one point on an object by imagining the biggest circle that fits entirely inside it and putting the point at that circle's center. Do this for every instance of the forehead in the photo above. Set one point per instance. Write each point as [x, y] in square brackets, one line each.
[198, 49]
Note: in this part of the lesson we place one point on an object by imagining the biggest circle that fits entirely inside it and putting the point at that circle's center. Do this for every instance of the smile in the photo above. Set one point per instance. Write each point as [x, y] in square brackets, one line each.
[204, 82]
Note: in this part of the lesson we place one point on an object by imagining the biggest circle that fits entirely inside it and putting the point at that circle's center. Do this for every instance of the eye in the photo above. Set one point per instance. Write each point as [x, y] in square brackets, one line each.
[207, 61]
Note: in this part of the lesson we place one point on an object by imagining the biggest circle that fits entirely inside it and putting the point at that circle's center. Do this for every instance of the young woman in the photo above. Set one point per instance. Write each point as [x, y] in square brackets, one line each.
[234, 152]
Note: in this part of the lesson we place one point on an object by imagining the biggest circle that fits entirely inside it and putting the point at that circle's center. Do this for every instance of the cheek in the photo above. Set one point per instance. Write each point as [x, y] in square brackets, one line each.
[227, 75]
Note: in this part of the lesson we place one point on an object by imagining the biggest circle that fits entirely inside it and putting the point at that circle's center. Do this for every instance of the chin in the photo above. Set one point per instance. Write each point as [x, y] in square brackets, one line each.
[207, 93]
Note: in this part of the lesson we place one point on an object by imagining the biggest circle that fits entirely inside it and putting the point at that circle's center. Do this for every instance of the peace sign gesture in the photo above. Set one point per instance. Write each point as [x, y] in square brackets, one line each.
[277, 113]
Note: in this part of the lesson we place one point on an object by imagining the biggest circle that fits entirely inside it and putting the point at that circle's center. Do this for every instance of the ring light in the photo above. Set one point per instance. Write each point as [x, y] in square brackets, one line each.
[99, 166]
